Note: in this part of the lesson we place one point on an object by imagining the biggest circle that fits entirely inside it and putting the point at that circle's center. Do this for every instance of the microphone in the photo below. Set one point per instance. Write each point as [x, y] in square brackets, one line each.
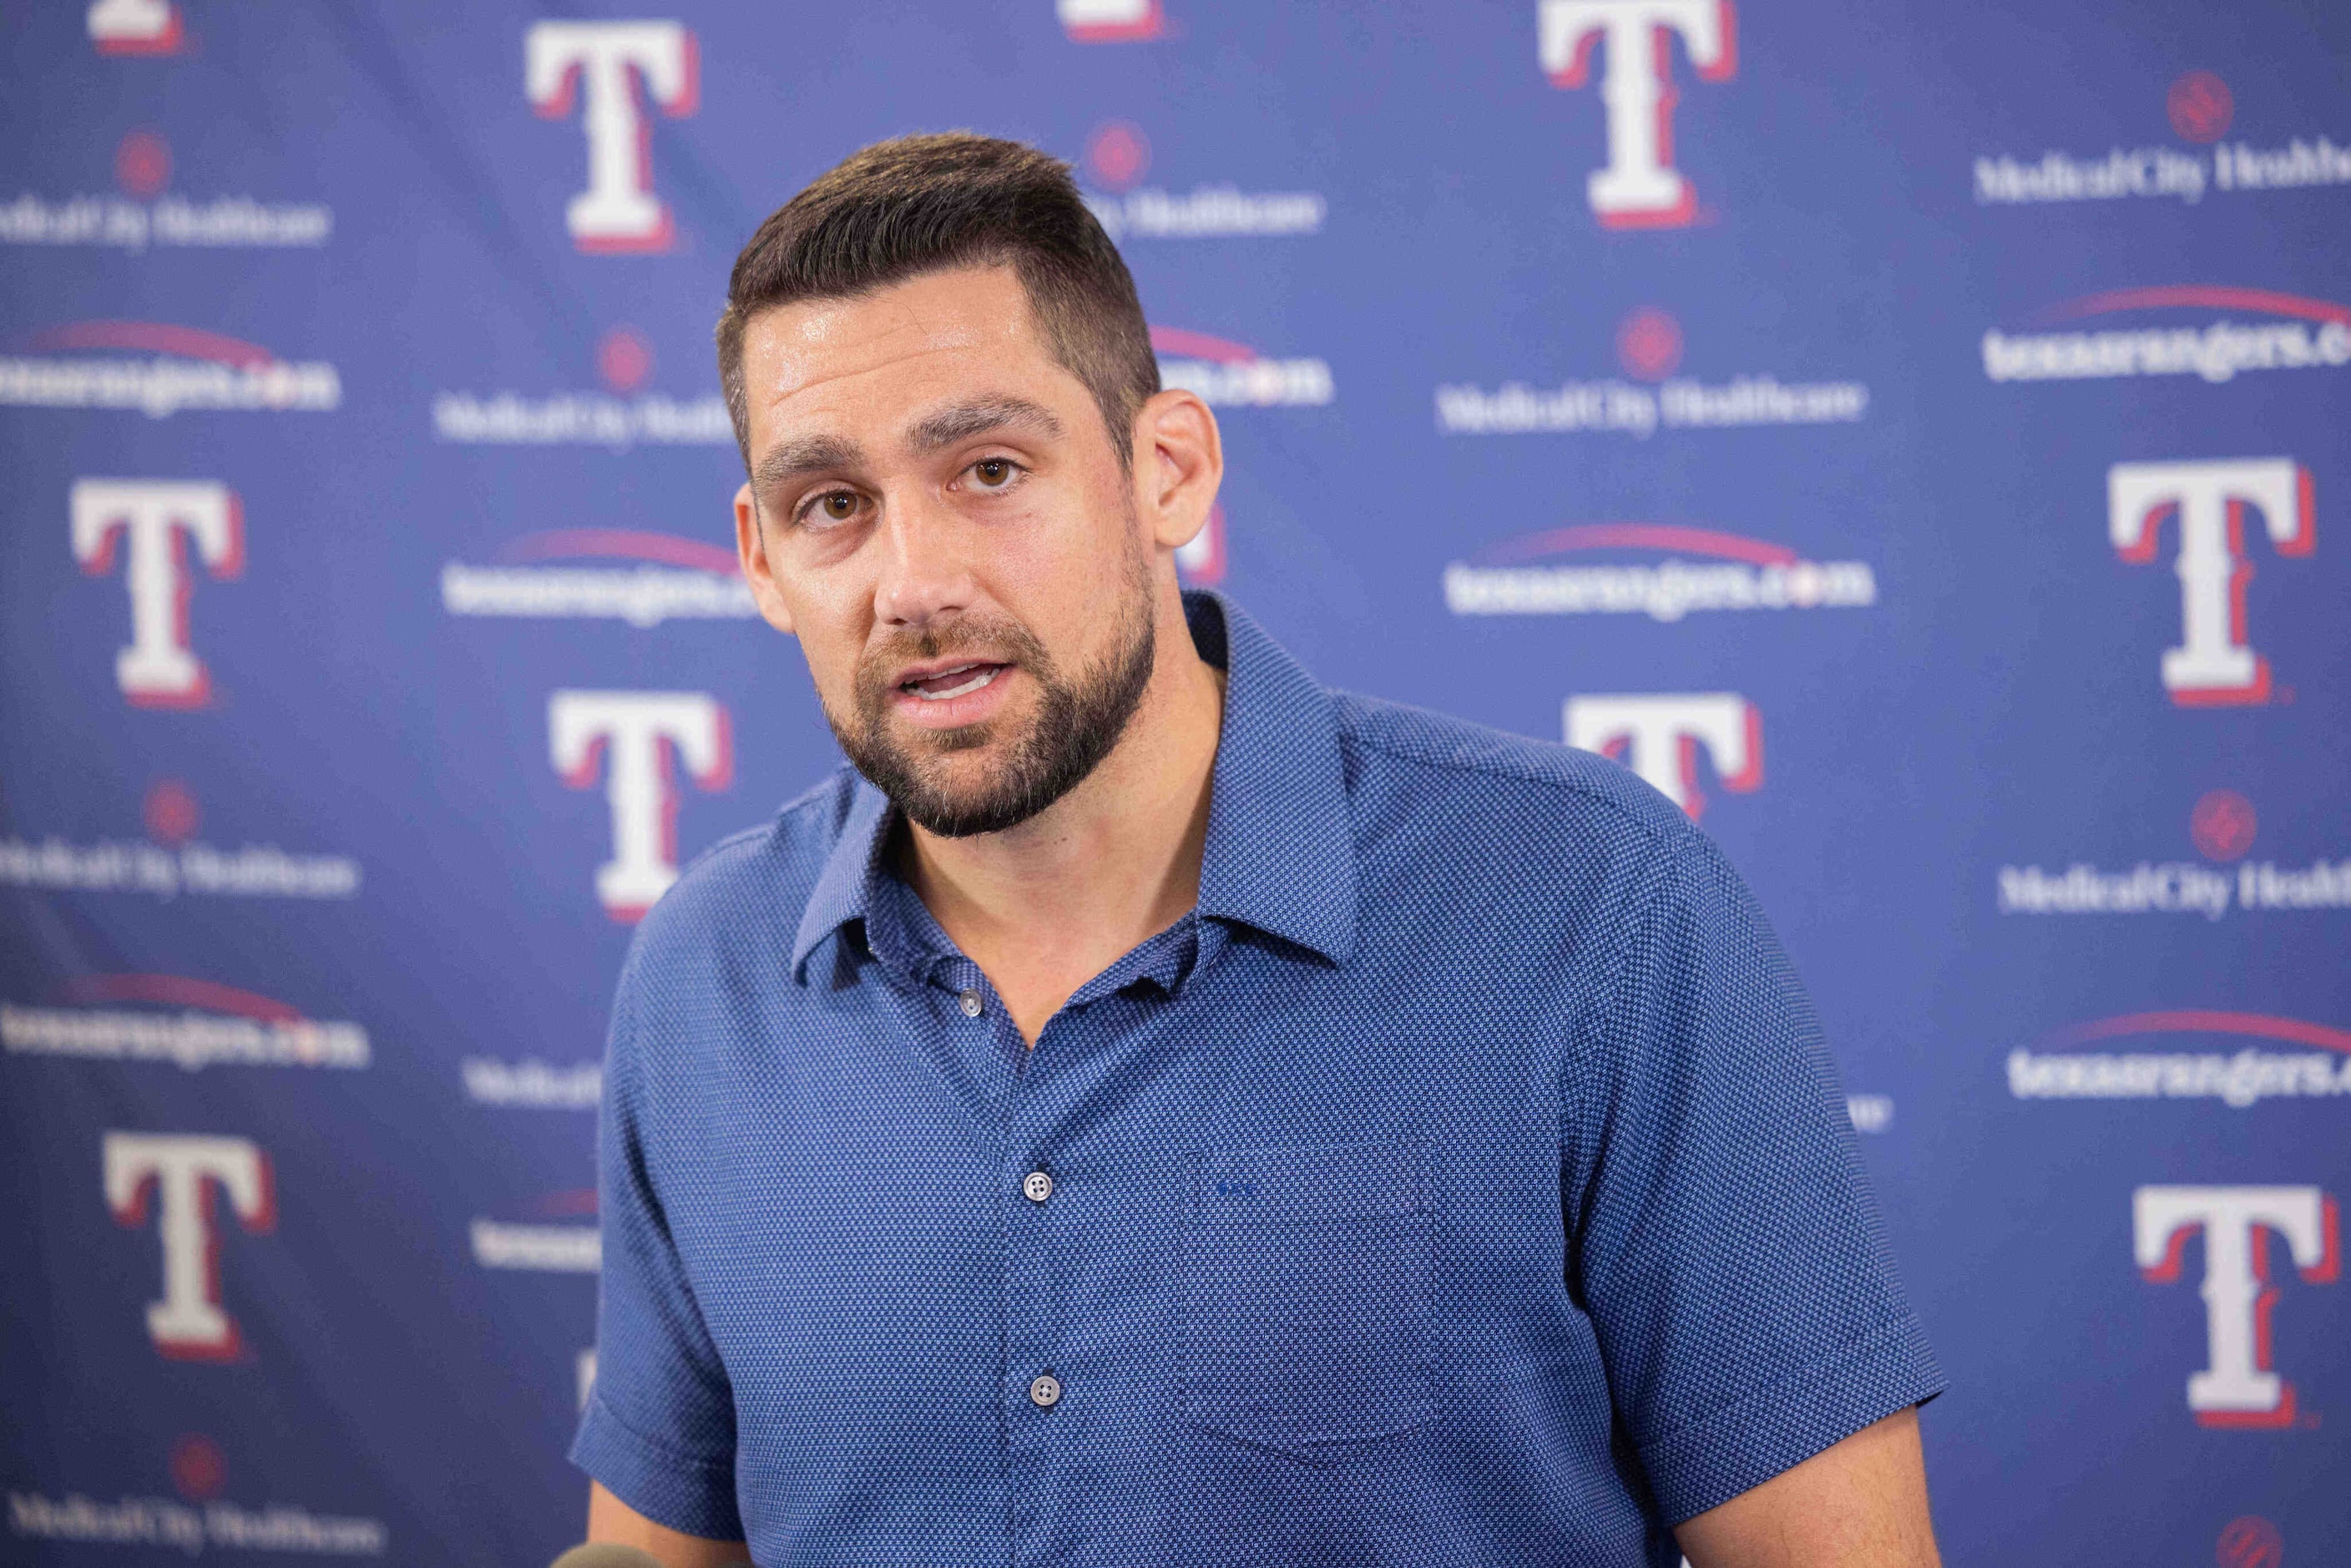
[609, 1554]
[605, 1555]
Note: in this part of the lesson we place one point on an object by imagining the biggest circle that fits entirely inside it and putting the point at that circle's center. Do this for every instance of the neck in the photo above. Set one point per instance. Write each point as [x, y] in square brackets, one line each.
[1044, 907]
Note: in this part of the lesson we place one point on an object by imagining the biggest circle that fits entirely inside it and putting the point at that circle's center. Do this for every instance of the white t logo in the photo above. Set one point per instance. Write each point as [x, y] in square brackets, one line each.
[2213, 664]
[1659, 738]
[135, 26]
[157, 670]
[184, 1171]
[1640, 188]
[633, 734]
[2237, 1387]
[1111, 21]
[618, 211]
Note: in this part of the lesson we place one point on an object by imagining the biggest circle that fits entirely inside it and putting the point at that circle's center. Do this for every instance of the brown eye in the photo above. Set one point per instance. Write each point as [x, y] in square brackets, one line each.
[839, 507]
[994, 473]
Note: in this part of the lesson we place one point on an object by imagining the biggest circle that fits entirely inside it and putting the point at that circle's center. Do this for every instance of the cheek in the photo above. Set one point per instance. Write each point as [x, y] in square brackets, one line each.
[1069, 589]
[1053, 582]
[1076, 548]
[832, 627]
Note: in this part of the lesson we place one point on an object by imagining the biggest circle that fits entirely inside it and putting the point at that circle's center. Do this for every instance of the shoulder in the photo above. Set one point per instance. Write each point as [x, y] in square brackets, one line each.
[1509, 783]
[1529, 867]
[1508, 850]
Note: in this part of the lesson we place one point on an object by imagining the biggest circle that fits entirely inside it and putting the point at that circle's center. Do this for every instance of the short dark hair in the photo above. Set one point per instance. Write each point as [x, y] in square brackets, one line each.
[923, 203]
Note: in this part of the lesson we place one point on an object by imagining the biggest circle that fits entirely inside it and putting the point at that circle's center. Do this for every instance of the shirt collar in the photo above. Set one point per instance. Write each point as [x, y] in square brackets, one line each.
[844, 889]
[1281, 852]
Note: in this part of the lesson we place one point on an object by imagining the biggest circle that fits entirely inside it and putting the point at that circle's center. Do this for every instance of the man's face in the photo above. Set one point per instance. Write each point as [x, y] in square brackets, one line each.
[935, 511]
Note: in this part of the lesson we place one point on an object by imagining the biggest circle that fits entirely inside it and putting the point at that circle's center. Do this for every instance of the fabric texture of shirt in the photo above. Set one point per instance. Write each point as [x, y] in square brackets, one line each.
[1463, 1182]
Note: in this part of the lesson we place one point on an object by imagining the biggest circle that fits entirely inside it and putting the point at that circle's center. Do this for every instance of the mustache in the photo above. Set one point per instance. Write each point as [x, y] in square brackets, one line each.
[994, 639]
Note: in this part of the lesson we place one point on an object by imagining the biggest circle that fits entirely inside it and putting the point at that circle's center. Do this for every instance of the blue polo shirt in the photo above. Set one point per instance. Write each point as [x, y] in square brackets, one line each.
[1463, 1181]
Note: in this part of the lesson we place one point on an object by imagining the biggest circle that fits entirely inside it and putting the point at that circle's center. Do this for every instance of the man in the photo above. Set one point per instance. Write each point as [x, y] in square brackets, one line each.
[1156, 1111]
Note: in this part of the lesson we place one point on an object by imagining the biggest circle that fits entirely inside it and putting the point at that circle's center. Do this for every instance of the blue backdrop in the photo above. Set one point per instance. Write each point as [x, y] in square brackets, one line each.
[1914, 437]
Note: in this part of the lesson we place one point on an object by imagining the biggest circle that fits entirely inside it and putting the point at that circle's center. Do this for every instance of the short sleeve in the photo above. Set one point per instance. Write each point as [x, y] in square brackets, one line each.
[659, 1430]
[1722, 1235]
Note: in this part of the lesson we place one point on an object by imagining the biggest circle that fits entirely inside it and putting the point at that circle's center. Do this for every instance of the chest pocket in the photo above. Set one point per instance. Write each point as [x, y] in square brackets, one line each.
[1306, 1295]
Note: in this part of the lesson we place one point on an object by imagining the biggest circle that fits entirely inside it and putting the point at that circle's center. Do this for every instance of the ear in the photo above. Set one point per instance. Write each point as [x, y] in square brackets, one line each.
[758, 567]
[1179, 462]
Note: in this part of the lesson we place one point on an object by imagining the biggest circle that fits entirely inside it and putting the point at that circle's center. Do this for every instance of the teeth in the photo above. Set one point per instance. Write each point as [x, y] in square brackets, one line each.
[973, 684]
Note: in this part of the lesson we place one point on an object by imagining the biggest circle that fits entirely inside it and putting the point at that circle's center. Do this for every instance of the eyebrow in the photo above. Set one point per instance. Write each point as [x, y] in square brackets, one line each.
[806, 455]
[963, 420]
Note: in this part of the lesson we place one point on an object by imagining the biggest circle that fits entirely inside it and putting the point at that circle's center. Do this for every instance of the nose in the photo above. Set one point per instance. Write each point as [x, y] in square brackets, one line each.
[925, 574]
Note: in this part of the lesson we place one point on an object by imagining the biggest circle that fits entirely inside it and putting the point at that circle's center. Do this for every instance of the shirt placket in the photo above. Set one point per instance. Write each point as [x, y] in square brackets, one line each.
[1031, 1392]
[1036, 1399]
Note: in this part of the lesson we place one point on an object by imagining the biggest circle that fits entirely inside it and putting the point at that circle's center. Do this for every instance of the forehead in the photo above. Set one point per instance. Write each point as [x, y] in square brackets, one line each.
[912, 341]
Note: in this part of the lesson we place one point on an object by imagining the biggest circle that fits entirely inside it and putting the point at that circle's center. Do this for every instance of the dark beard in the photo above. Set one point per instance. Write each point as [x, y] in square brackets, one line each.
[1076, 725]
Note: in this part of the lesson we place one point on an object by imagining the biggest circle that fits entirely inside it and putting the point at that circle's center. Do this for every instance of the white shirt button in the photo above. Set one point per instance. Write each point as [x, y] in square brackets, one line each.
[971, 1004]
[1044, 1391]
[1036, 1187]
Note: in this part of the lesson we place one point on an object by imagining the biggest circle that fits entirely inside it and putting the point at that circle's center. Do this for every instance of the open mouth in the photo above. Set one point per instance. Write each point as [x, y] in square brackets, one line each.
[953, 682]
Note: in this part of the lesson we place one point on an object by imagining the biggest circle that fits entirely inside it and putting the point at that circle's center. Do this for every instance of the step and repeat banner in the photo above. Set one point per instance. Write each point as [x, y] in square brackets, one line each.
[1913, 438]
